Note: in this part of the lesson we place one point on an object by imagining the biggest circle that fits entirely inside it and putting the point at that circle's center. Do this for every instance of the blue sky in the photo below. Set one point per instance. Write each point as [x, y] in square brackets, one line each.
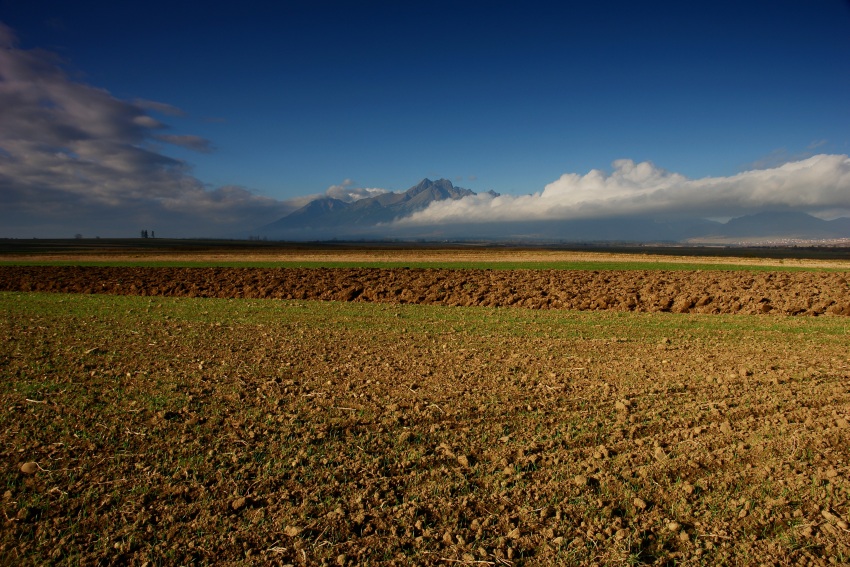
[257, 106]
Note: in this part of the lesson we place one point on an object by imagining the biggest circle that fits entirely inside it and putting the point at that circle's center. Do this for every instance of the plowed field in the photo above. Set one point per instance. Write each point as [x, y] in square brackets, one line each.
[172, 416]
[787, 293]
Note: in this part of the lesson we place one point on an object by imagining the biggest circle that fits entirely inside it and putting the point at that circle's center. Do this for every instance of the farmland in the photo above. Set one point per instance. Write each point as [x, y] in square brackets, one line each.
[469, 421]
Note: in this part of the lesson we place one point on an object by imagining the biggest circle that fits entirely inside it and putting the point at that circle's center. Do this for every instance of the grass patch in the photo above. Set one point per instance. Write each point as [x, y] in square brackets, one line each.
[136, 312]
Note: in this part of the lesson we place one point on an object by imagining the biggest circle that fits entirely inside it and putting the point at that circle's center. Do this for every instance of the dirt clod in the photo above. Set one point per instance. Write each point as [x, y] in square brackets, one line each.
[293, 531]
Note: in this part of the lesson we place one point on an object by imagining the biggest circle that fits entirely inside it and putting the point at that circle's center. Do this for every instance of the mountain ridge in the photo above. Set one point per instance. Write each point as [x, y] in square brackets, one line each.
[328, 218]
[791, 224]
[330, 213]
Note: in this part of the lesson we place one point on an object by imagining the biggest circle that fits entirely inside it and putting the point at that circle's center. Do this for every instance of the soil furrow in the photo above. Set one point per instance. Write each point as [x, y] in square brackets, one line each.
[784, 293]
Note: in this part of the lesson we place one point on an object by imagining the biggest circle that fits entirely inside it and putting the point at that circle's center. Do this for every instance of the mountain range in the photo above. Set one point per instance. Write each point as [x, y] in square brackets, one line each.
[327, 218]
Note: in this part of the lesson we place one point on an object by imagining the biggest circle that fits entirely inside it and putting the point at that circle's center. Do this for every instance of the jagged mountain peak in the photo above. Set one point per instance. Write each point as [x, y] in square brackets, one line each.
[427, 190]
[426, 183]
[331, 215]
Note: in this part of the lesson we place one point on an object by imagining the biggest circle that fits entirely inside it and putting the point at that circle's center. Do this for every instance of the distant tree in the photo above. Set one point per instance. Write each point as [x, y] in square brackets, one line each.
[153, 234]
[78, 236]
[144, 233]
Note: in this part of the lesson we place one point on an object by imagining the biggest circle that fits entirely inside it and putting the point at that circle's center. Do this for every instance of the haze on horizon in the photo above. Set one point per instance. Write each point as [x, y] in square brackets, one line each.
[212, 124]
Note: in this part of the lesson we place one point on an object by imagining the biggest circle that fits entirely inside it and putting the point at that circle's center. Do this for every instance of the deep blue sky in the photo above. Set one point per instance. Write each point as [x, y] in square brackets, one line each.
[294, 97]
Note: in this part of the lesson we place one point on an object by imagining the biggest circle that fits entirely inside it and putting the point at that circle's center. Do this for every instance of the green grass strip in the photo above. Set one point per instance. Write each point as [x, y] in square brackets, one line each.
[404, 320]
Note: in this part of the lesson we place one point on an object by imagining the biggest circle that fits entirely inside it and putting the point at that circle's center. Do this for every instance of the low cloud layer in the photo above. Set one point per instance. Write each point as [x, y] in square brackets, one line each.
[346, 191]
[74, 157]
[819, 185]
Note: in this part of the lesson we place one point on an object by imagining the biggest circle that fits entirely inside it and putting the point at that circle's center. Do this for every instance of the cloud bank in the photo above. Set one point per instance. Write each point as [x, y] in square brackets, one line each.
[74, 157]
[346, 191]
[817, 185]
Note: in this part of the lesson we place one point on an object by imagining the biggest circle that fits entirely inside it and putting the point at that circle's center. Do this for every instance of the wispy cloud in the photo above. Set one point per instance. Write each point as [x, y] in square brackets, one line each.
[818, 184]
[188, 141]
[160, 107]
[782, 156]
[72, 154]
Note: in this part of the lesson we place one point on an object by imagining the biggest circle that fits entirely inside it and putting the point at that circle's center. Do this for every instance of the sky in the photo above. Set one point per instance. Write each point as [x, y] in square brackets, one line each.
[197, 121]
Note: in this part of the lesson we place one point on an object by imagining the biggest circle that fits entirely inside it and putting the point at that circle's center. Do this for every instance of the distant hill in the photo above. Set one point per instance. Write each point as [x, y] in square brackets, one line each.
[787, 224]
[777, 225]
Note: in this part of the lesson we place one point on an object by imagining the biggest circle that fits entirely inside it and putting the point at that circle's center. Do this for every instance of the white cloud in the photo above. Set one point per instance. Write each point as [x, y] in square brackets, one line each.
[74, 158]
[346, 191]
[819, 184]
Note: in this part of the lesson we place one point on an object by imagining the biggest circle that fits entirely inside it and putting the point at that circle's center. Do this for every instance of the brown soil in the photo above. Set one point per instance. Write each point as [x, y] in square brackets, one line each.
[711, 292]
[169, 433]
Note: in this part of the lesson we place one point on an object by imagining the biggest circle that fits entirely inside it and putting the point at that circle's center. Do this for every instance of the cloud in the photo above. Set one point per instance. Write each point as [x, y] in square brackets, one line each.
[819, 184]
[346, 191]
[188, 141]
[7, 37]
[160, 107]
[782, 156]
[74, 158]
